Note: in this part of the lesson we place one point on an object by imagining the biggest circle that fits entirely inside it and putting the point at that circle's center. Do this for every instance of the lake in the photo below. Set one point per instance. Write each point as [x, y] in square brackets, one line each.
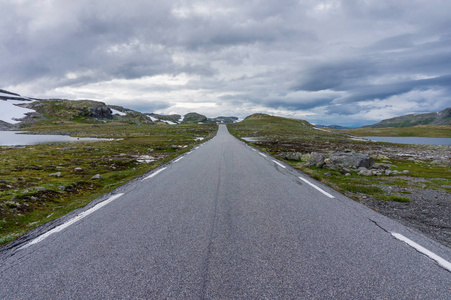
[411, 140]
[16, 138]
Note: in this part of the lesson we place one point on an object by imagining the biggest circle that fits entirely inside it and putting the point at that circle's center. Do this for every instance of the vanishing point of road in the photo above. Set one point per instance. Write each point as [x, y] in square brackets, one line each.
[225, 221]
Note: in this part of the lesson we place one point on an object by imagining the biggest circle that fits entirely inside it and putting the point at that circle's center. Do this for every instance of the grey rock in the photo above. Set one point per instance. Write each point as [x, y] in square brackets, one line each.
[316, 159]
[96, 177]
[366, 172]
[39, 188]
[382, 167]
[292, 155]
[406, 172]
[57, 175]
[352, 159]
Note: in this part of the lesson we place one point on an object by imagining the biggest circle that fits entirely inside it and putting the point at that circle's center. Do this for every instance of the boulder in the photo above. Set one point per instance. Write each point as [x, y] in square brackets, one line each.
[351, 159]
[365, 172]
[316, 159]
[292, 155]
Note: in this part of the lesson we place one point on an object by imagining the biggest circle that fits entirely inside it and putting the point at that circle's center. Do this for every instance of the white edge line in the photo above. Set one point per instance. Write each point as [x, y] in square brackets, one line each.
[254, 149]
[262, 154]
[154, 174]
[71, 221]
[441, 261]
[317, 188]
[178, 159]
[278, 163]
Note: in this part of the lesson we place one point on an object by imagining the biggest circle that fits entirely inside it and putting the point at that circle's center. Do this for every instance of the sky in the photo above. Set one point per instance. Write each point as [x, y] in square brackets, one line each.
[349, 63]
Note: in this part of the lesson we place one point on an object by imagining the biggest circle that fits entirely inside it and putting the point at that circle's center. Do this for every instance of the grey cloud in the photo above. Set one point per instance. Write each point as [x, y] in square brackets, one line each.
[236, 53]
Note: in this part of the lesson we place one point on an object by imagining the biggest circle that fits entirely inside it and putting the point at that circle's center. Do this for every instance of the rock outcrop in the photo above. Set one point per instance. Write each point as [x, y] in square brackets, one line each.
[348, 162]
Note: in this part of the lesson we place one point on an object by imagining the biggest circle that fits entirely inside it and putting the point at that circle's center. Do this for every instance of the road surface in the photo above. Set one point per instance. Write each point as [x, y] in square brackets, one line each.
[225, 221]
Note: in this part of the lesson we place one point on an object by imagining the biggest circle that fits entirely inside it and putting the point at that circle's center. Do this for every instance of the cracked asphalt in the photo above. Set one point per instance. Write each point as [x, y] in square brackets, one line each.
[224, 222]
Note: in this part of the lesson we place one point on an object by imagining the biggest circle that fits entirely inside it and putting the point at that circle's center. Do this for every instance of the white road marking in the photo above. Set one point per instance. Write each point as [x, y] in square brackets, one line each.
[254, 149]
[154, 174]
[178, 159]
[262, 154]
[71, 221]
[278, 163]
[317, 188]
[441, 261]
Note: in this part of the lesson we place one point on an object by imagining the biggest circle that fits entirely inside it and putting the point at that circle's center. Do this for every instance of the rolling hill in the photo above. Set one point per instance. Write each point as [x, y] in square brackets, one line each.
[437, 118]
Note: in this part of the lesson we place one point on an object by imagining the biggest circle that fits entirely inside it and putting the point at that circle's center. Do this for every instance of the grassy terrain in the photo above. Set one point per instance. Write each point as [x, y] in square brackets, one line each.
[441, 131]
[272, 127]
[31, 196]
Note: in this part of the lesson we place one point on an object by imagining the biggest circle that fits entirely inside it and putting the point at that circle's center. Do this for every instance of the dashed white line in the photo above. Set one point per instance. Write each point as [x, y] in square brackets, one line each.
[254, 150]
[317, 188]
[441, 261]
[178, 159]
[262, 154]
[154, 174]
[71, 221]
[278, 163]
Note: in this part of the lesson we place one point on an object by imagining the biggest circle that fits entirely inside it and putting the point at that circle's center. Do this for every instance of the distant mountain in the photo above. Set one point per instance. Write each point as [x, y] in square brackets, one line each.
[190, 118]
[332, 126]
[437, 118]
[226, 120]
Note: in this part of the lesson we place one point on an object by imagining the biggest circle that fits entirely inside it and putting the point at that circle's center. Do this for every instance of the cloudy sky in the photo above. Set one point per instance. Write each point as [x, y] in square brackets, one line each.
[350, 63]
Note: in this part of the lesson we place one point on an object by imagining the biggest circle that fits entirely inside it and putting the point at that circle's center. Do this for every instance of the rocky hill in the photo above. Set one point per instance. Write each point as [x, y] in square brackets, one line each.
[437, 118]
[190, 118]
[17, 111]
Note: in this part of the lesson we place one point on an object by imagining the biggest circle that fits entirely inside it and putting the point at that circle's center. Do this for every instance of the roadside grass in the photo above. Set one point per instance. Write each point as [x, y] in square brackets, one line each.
[394, 198]
[441, 131]
[30, 196]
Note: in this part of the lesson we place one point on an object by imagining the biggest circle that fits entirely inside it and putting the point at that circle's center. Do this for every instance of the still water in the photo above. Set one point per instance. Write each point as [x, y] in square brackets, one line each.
[411, 140]
[15, 138]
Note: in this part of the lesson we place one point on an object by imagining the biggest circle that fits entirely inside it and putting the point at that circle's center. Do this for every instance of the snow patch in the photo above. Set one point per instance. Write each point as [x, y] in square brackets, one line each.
[116, 112]
[11, 113]
[321, 129]
[153, 118]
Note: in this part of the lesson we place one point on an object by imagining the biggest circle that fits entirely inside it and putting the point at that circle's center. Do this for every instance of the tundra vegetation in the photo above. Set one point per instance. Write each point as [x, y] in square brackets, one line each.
[410, 183]
[40, 183]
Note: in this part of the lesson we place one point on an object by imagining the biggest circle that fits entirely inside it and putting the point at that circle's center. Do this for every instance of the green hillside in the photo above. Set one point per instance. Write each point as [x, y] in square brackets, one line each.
[437, 118]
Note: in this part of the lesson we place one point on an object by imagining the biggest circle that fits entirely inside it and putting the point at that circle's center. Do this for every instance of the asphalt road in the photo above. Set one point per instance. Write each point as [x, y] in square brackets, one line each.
[224, 222]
